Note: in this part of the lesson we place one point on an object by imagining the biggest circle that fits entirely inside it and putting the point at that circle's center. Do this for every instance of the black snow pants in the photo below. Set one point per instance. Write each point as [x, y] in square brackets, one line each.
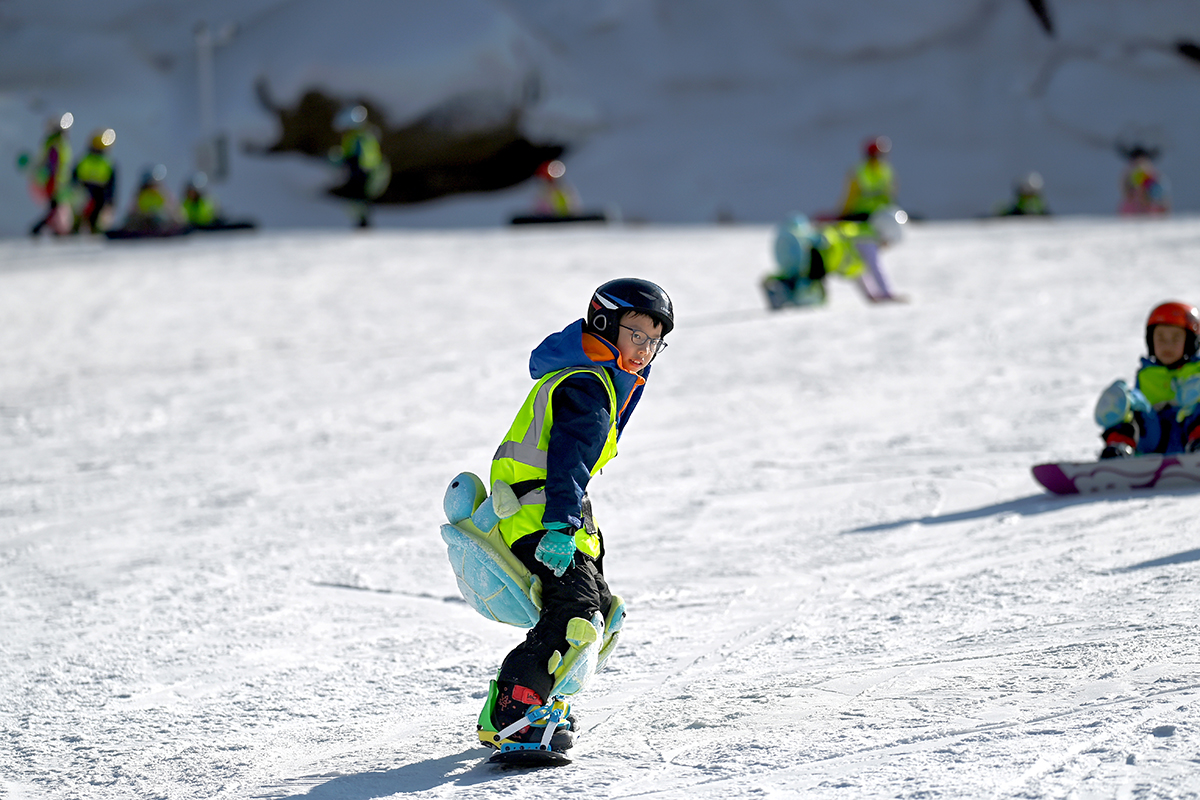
[580, 592]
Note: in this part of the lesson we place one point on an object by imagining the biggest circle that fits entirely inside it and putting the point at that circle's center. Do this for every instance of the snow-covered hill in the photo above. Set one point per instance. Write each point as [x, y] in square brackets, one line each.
[221, 470]
[675, 111]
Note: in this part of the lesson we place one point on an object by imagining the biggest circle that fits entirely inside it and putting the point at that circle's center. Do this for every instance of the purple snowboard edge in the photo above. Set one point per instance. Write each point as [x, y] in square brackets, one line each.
[1052, 478]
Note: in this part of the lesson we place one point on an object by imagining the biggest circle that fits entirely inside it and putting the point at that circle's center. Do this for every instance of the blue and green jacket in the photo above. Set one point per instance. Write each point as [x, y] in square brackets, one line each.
[1162, 430]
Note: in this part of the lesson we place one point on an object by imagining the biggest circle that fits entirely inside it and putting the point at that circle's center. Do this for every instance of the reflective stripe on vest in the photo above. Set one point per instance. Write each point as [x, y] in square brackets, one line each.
[521, 458]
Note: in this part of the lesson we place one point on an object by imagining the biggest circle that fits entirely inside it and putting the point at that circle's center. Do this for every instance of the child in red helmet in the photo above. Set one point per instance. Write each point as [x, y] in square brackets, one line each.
[871, 185]
[590, 377]
[1161, 412]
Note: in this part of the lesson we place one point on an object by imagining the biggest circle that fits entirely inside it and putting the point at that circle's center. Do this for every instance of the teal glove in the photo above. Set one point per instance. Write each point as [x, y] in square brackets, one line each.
[1187, 395]
[556, 549]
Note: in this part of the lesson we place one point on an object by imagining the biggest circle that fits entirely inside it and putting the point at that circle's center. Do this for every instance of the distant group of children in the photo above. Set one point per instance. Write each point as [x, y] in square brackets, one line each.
[82, 197]
[1144, 189]
[808, 251]
[870, 220]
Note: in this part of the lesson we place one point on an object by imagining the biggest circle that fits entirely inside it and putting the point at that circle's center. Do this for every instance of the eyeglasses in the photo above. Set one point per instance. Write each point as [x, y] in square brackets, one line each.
[640, 339]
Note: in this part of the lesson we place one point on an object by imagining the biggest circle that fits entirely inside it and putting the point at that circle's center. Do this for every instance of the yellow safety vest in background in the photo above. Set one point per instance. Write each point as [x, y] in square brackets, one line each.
[837, 248]
[875, 183]
[94, 169]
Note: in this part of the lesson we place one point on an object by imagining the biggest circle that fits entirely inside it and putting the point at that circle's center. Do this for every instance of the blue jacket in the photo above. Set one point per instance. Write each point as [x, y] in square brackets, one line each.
[1161, 432]
[581, 414]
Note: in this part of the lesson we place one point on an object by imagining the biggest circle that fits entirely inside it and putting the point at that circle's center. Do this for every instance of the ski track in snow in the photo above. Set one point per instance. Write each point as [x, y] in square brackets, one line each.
[220, 486]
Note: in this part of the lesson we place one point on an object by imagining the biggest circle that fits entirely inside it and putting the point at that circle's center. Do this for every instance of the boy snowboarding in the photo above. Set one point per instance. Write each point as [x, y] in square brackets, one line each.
[590, 377]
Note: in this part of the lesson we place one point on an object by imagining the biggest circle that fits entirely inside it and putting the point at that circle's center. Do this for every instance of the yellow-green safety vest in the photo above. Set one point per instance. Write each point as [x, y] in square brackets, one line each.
[875, 181]
[61, 178]
[370, 155]
[837, 248]
[522, 456]
[94, 169]
[1155, 381]
[201, 211]
[150, 200]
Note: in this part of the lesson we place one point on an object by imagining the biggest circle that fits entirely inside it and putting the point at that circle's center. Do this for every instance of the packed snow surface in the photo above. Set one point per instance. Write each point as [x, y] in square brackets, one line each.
[221, 468]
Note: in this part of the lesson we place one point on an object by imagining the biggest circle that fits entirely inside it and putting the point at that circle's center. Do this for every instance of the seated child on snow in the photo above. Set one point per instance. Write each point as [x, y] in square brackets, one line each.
[1161, 412]
[590, 377]
[806, 253]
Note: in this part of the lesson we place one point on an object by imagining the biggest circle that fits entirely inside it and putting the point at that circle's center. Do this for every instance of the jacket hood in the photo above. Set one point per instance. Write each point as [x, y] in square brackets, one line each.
[572, 347]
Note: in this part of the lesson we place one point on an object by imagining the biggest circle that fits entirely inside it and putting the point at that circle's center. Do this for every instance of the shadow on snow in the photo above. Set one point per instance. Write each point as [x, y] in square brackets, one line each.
[1166, 561]
[1024, 506]
[1041, 504]
[408, 779]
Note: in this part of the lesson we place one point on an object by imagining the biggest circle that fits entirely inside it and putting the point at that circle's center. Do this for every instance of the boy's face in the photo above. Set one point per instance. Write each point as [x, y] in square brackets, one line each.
[1169, 341]
[634, 357]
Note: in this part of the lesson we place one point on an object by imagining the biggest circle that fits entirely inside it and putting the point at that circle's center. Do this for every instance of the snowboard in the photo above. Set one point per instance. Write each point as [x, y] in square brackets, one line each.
[529, 758]
[1152, 471]
[556, 219]
[226, 225]
[157, 233]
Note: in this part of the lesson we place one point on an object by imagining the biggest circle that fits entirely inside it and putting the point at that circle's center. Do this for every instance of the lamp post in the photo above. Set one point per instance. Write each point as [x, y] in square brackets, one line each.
[212, 153]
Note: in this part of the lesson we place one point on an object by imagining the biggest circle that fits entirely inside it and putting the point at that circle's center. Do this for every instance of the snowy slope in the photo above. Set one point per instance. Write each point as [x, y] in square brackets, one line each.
[221, 469]
[675, 111]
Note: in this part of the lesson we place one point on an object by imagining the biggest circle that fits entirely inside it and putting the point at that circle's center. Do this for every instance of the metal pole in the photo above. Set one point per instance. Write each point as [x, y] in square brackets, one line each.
[209, 152]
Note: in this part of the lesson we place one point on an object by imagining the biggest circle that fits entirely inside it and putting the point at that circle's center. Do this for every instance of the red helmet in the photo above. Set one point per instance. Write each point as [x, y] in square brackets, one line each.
[880, 145]
[1180, 315]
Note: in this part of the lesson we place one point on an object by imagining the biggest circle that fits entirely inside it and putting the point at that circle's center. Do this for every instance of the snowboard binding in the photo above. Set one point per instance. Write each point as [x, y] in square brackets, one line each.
[539, 738]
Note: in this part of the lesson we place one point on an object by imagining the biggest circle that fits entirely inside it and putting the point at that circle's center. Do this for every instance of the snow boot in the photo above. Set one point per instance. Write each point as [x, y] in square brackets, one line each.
[1116, 450]
[1120, 441]
[509, 703]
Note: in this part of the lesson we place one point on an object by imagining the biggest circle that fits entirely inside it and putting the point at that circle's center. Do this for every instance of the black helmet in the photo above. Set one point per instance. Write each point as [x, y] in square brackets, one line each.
[614, 298]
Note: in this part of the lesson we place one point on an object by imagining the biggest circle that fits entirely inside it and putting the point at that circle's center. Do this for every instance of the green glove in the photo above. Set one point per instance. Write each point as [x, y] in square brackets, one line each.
[557, 548]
